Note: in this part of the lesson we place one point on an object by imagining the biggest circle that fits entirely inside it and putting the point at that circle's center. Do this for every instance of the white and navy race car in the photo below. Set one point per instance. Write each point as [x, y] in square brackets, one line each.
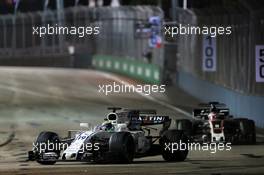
[213, 123]
[123, 136]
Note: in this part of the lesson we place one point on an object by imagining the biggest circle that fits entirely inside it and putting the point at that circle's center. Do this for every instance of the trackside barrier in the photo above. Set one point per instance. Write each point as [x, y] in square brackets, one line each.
[240, 105]
[149, 73]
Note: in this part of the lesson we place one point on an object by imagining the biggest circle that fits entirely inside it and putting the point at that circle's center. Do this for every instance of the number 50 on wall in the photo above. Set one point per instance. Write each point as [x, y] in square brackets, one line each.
[259, 63]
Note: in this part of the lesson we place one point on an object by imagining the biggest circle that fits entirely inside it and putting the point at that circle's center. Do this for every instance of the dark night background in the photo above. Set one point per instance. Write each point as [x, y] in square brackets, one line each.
[7, 6]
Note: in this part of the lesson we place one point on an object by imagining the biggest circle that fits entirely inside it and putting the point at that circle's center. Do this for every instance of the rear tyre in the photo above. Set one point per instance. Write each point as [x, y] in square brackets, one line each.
[43, 139]
[122, 145]
[176, 138]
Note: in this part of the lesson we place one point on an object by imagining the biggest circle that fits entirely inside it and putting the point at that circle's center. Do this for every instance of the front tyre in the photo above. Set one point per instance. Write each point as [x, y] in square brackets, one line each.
[43, 141]
[168, 142]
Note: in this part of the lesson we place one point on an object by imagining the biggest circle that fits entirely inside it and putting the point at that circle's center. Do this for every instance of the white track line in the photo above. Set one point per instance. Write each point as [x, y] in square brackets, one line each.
[115, 78]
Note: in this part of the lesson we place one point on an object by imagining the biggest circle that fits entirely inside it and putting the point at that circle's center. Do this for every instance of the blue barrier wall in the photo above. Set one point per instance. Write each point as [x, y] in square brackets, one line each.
[240, 105]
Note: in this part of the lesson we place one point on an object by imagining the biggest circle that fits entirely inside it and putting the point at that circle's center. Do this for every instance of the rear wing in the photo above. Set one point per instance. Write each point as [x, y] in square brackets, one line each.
[144, 120]
[216, 104]
[204, 112]
[142, 117]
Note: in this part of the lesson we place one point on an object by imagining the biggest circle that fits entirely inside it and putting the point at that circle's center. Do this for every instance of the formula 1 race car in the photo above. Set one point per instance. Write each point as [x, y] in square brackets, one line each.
[213, 123]
[123, 136]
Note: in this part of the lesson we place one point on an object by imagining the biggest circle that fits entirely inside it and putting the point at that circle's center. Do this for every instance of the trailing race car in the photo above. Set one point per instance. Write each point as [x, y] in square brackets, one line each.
[123, 136]
[213, 123]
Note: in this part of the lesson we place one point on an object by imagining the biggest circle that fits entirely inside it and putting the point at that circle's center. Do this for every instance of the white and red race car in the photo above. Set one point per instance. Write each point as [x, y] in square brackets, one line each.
[213, 123]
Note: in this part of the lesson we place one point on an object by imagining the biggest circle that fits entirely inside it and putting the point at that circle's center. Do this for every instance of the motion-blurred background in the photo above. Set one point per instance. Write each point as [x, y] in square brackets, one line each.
[50, 83]
[235, 73]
